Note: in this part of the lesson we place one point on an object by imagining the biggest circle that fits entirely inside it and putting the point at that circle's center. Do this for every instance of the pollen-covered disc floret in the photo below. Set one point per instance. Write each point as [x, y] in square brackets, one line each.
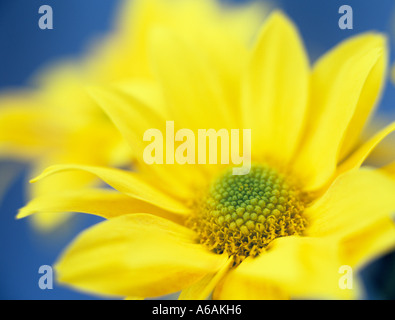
[242, 214]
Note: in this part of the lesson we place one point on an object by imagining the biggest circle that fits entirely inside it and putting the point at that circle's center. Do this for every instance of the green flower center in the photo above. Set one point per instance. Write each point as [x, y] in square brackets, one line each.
[242, 214]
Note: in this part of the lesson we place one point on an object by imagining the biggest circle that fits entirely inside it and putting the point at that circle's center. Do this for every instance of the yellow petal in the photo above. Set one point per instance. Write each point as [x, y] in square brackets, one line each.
[355, 201]
[133, 298]
[201, 102]
[384, 152]
[275, 90]
[208, 22]
[202, 289]
[370, 243]
[126, 109]
[55, 184]
[340, 81]
[126, 182]
[27, 128]
[247, 289]
[102, 202]
[94, 144]
[389, 169]
[355, 160]
[132, 116]
[136, 255]
[368, 101]
[299, 267]
[146, 93]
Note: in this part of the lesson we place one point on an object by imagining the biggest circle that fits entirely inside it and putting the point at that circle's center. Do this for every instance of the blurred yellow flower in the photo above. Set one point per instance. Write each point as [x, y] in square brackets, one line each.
[59, 123]
[306, 209]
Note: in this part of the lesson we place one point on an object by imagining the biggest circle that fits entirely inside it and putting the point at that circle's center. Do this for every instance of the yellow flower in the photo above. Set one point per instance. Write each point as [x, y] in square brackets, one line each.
[59, 123]
[305, 210]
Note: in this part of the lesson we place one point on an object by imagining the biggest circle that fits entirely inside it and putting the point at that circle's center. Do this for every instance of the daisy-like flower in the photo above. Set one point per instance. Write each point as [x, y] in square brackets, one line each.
[306, 209]
[42, 127]
[59, 123]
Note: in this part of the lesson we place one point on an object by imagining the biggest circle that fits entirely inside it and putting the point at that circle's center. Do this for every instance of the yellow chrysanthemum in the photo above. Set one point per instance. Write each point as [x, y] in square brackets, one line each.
[43, 128]
[305, 209]
[59, 123]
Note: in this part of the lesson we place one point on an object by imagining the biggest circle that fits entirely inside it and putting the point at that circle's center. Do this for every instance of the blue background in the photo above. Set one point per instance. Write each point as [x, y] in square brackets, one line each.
[24, 49]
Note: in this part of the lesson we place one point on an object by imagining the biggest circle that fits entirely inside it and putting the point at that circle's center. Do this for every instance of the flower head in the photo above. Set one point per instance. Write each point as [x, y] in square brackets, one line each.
[59, 123]
[283, 230]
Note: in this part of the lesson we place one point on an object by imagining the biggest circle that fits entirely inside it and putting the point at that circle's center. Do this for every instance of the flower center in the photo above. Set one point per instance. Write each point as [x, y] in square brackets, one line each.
[242, 214]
